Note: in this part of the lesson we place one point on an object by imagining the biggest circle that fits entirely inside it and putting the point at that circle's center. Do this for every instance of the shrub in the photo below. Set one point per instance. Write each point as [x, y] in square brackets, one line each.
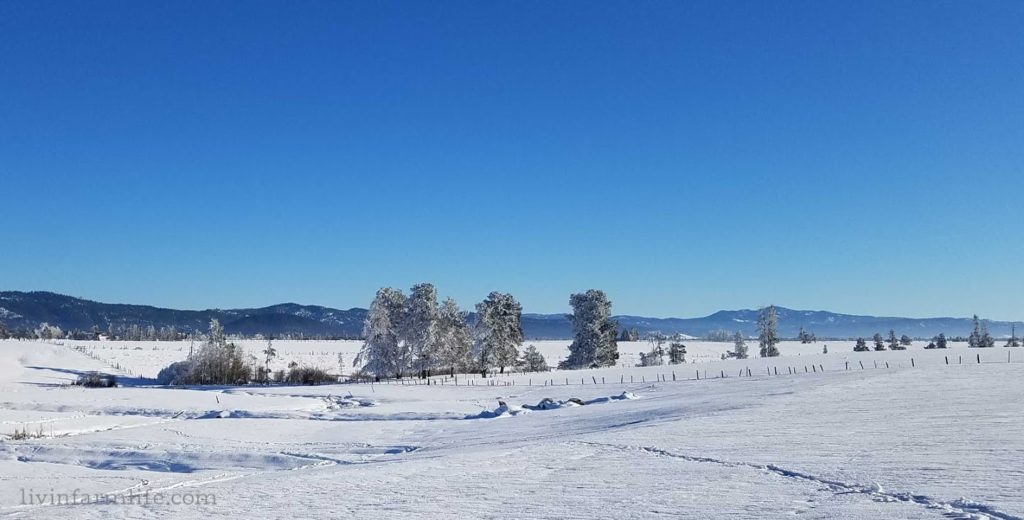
[96, 380]
[301, 375]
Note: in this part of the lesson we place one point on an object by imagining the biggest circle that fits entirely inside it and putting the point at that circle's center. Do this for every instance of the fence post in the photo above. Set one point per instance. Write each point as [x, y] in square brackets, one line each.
[862, 365]
[979, 359]
[947, 359]
[723, 374]
[698, 374]
[912, 362]
[674, 372]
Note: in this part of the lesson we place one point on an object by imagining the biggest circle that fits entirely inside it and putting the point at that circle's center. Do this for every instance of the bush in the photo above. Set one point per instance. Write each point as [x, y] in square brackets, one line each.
[309, 376]
[96, 380]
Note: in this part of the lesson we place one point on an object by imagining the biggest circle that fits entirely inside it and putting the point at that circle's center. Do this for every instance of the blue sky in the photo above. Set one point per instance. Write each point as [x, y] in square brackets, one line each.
[862, 157]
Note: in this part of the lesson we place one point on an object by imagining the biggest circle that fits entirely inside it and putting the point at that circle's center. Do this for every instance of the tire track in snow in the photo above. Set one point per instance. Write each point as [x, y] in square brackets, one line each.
[960, 508]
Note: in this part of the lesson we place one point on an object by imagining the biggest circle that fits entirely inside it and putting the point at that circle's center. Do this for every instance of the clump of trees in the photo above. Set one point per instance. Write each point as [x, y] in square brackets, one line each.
[718, 335]
[768, 331]
[216, 362]
[415, 334]
[656, 355]
[980, 338]
[630, 335]
[806, 337]
[879, 342]
[594, 332]
[861, 346]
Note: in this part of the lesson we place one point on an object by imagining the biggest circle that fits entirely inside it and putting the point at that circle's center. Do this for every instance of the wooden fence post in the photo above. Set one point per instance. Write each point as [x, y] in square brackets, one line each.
[979, 359]
[862, 365]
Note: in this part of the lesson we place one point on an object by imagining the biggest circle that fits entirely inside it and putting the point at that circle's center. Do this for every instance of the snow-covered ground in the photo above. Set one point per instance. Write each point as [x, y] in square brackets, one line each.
[913, 438]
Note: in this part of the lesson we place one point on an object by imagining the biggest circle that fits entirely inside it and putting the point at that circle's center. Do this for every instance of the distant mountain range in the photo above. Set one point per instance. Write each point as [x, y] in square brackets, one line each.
[30, 309]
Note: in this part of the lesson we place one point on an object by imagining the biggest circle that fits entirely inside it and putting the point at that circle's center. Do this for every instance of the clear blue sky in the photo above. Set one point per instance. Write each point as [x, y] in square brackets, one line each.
[862, 157]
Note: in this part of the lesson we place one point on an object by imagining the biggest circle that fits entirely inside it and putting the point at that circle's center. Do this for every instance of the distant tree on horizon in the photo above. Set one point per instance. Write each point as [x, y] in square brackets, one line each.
[879, 343]
[768, 331]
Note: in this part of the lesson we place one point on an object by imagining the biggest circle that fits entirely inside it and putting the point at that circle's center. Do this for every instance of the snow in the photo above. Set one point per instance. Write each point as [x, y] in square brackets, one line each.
[919, 439]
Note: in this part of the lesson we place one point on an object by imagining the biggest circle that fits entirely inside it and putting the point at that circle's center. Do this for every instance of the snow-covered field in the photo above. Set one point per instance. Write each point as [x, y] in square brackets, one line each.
[913, 438]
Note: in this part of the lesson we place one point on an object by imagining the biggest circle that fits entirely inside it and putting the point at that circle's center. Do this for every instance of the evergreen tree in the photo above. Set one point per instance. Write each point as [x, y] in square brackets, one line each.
[676, 353]
[894, 342]
[805, 337]
[879, 343]
[384, 353]
[629, 335]
[532, 360]
[594, 331]
[656, 356]
[455, 338]
[768, 331]
[906, 341]
[499, 331]
[824, 350]
[739, 347]
[980, 338]
[940, 341]
[861, 346]
[1012, 342]
[270, 353]
[419, 327]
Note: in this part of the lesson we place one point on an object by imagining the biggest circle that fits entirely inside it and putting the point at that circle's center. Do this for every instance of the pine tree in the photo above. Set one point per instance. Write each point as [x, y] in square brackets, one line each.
[594, 330]
[940, 341]
[879, 342]
[739, 347]
[676, 353]
[894, 342]
[987, 341]
[906, 341]
[768, 331]
[419, 327]
[980, 338]
[455, 338]
[384, 353]
[1012, 342]
[824, 350]
[532, 361]
[499, 331]
[270, 353]
[861, 346]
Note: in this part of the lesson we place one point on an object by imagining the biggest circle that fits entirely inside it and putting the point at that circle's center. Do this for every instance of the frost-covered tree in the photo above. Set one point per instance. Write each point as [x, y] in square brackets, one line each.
[217, 362]
[894, 342]
[861, 346]
[455, 339]
[269, 354]
[419, 327]
[1012, 342]
[879, 342]
[532, 360]
[4, 333]
[941, 341]
[906, 341]
[630, 335]
[768, 331]
[980, 338]
[384, 353]
[656, 355]
[499, 328]
[739, 347]
[824, 350]
[594, 331]
[806, 337]
[676, 353]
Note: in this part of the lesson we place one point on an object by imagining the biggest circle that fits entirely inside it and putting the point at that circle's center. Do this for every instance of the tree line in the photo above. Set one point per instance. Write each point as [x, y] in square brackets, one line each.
[417, 335]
